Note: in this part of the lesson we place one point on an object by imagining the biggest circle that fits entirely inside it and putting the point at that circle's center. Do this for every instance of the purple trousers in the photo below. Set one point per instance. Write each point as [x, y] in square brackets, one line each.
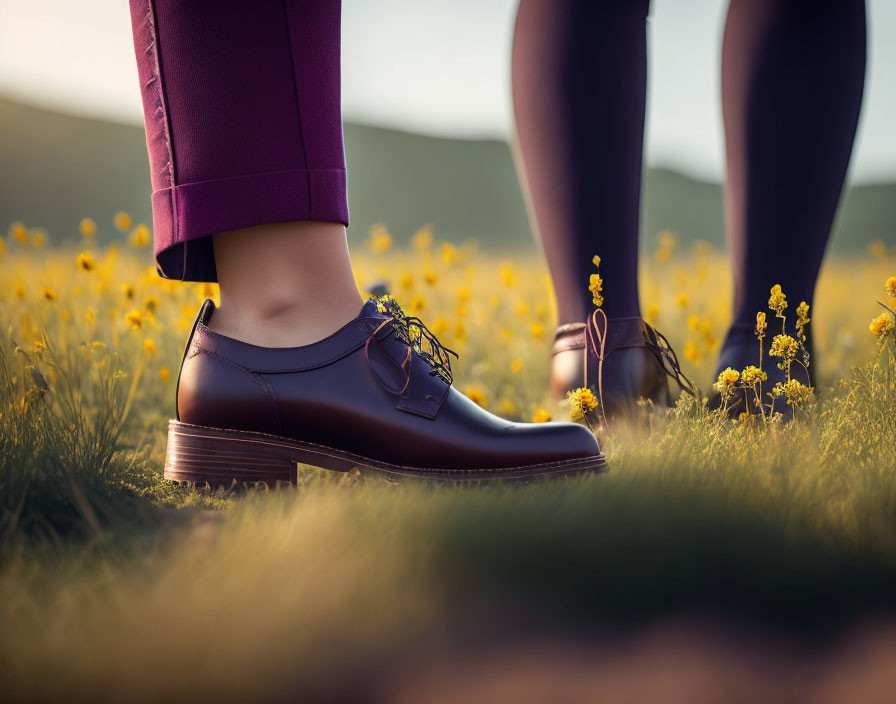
[243, 125]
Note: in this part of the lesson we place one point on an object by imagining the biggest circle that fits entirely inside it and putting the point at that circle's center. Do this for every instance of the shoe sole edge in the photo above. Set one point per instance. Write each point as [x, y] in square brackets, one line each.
[199, 454]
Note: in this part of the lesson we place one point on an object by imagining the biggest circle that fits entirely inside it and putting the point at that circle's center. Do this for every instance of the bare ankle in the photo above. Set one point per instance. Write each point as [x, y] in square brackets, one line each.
[285, 325]
[284, 284]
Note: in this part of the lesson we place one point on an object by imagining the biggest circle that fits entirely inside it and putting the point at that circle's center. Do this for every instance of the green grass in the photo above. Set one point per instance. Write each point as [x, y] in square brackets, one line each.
[260, 591]
[117, 585]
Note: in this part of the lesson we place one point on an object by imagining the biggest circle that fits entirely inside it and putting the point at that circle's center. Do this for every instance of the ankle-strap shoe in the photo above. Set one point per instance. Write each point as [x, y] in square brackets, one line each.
[623, 360]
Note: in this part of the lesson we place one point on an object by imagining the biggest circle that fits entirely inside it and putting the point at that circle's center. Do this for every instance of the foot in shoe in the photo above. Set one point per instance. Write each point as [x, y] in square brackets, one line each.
[623, 360]
[377, 395]
[740, 350]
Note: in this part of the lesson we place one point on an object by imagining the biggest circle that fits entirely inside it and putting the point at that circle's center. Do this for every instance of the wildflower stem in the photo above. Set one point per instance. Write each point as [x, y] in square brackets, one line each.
[760, 376]
[132, 394]
[759, 403]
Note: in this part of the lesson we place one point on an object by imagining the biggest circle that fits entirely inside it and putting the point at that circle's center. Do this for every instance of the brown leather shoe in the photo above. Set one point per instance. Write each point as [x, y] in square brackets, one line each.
[376, 395]
[568, 359]
[622, 360]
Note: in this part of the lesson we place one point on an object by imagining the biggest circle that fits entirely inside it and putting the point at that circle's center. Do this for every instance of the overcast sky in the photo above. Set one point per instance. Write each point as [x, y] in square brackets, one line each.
[438, 67]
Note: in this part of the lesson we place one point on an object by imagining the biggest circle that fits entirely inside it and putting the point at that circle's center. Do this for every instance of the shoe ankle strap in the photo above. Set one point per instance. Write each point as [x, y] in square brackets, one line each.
[570, 336]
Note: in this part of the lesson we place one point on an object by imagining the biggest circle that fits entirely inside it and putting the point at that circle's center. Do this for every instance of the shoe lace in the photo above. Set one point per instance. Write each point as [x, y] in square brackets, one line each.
[419, 339]
[661, 349]
[669, 361]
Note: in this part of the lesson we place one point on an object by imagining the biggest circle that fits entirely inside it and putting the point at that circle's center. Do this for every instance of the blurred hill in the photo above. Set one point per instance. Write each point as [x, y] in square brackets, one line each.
[56, 169]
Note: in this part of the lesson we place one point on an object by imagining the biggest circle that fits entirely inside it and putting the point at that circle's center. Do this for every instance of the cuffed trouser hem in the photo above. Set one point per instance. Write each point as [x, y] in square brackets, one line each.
[241, 103]
[185, 216]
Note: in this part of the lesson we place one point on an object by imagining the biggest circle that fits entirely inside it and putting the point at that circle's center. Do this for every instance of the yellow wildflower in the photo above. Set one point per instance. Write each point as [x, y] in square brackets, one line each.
[128, 291]
[50, 294]
[795, 391]
[507, 407]
[477, 396]
[149, 346]
[449, 252]
[683, 300]
[87, 227]
[761, 325]
[383, 301]
[596, 287]
[430, 277]
[507, 274]
[380, 240]
[691, 352]
[802, 320]
[516, 366]
[38, 238]
[727, 381]
[86, 262]
[151, 303]
[140, 236]
[581, 402]
[406, 281]
[422, 238]
[122, 221]
[19, 232]
[208, 290]
[439, 326]
[541, 416]
[164, 374]
[752, 375]
[668, 239]
[891, 286]
[537, 331]
[784, 346]
[882, 325]
[135, 319]
[596, 284]
[777, 301]
[417, 304]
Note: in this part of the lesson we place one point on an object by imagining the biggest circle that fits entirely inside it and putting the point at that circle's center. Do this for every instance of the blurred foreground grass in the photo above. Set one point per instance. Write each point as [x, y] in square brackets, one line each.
[125, 587]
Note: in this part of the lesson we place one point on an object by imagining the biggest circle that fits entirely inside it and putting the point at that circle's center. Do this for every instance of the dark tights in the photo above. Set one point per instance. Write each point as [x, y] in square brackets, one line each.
[792, 80]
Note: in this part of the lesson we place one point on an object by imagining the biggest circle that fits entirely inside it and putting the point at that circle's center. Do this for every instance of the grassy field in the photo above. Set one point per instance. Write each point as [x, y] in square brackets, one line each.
[116, 585]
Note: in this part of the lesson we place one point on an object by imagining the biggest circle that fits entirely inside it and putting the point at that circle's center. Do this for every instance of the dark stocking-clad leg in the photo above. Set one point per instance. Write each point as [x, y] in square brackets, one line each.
[579, 86]
[792, 80]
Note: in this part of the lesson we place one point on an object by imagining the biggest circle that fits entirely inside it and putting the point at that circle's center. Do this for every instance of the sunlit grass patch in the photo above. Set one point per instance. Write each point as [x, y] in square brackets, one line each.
[111, 576]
